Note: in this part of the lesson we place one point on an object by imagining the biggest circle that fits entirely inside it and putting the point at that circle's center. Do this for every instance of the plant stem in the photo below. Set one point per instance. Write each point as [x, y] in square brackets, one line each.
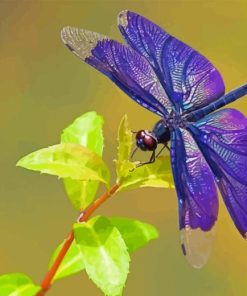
[46, 283]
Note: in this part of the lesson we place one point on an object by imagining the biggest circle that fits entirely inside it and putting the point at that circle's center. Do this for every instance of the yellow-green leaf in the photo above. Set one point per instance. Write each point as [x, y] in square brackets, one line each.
[157, 174]
[17, 284]
[136, 234]
[67, 161]
[124, 139]
[72, 262]
[87, 131]
[104, 254]
[123, 165]
[80, 193]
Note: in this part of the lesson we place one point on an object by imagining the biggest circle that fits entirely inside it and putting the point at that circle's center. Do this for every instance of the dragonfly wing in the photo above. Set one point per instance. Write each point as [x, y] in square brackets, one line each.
[197, 198]
[222, 137]
[189, 79]
[123, 65]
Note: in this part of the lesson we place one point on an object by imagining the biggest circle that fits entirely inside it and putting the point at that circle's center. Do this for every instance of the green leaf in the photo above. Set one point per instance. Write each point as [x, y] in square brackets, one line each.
[71, 264]
[104, 254]
[86, 130]
[80, 193]
[157, 174]
[124, 139]
[17, 284]
[125, 142]
[67, 160]
[136, 234]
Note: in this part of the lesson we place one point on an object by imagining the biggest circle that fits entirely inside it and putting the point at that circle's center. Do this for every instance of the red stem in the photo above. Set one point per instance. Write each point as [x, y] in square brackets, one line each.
[46, 283]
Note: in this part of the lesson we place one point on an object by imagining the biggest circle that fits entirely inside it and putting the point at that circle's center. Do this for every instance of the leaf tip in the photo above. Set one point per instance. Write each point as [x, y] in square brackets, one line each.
[20, 163]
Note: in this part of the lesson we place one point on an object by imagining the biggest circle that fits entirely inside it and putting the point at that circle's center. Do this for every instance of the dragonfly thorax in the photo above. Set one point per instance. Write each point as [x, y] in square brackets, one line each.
[161, 132]
[175, 120]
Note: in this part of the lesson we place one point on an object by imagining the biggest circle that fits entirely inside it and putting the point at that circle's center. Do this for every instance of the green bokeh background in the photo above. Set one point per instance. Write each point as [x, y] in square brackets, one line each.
[43, 88]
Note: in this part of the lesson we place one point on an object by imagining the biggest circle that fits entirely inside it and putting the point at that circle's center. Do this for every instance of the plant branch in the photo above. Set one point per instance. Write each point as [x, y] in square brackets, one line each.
[46, 283]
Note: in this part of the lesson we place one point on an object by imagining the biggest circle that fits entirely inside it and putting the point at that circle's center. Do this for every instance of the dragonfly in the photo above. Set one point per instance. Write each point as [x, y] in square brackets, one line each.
[208, 146]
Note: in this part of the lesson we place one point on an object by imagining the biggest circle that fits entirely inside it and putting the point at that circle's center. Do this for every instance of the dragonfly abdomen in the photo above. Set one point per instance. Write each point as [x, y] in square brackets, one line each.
[221, 102]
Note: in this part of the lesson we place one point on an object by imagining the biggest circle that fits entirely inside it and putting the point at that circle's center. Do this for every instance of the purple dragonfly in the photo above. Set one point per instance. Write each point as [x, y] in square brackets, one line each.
[208, 147]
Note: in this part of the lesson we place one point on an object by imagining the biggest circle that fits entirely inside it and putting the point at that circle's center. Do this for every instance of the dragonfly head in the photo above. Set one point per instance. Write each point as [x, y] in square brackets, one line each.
[146, 141]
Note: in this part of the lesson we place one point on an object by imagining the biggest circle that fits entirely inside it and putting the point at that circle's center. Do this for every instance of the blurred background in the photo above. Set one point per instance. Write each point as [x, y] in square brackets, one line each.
[43, 88]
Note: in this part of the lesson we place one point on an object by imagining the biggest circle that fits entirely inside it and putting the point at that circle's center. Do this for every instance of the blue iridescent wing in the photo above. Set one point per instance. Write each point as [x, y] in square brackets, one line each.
[197, 197]
[189, 79]
[222, 138]
[123, 65]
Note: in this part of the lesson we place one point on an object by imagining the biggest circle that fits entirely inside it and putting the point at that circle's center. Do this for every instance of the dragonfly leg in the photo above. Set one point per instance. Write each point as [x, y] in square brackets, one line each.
[151, 160]
[133, 153]
[165, 146]
[153, 156]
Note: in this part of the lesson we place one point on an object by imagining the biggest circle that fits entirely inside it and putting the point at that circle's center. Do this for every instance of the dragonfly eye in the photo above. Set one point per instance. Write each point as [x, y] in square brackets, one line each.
[145, 141]
[140, 135]
[150, 142]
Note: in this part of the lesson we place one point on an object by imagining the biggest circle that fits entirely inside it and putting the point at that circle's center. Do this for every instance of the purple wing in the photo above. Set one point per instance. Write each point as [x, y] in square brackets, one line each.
[189, 79]
[123, 65]
[197, 198]
[222, 137]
